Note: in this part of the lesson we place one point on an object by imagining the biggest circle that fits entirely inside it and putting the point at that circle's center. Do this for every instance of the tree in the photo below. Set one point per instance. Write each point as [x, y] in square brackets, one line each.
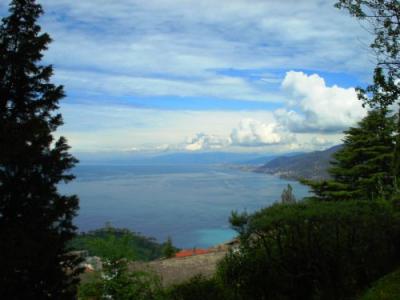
[287, 195]
[362, 169]
[384, 19]
[35, 219]
[117, 282]
[312, 250]
[383, 16]
[169, 250]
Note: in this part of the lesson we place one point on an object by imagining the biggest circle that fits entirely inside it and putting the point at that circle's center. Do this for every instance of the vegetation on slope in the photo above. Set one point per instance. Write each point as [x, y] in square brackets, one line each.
[312, 250]
[386, 288]
[110, 242]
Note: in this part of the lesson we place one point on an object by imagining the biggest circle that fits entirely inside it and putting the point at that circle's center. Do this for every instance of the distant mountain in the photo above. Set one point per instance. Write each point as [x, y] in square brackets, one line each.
[194, 158]
[313, 165]
[264, 159]
[203, 158]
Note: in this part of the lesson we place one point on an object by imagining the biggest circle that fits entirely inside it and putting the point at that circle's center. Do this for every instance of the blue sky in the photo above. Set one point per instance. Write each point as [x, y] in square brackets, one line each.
[185, 75]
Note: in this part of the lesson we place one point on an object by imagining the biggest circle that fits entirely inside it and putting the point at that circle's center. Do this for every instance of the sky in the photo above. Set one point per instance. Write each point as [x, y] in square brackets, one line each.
[261, 76]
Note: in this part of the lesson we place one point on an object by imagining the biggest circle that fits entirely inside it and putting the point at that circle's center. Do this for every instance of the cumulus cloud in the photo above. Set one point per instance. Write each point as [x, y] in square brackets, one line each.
[252, 132]
[203, 141]
[316, 106]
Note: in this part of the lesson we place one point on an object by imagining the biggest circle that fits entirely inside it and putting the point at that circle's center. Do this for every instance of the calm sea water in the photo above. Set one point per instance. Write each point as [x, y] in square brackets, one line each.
[191, 204]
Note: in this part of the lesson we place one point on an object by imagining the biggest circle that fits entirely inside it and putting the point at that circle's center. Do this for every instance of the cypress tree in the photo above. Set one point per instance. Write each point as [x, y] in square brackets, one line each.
[35, 219]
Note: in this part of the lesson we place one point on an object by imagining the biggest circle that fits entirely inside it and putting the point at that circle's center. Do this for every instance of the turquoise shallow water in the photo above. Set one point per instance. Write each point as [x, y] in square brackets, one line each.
[214, 236]
[191, 204]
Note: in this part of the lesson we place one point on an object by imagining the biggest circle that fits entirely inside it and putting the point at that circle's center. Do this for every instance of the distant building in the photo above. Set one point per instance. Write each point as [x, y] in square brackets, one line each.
[191, 252]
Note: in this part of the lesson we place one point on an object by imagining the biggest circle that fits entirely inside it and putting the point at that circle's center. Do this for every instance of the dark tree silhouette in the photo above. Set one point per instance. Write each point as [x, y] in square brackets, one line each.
[35, 219]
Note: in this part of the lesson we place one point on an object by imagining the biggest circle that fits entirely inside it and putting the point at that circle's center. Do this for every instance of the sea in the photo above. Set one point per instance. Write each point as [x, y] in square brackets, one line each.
[189, 203]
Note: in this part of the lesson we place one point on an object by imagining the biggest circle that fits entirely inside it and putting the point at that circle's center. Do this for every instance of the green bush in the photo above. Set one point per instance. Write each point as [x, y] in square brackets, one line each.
[313, 250]
[198, 288]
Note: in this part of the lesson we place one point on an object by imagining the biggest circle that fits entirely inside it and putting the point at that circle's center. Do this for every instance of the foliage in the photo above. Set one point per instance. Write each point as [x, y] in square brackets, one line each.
[116, 282]
[199, 288]
[239, 221]
[287, 195]
[363, 167]
[386, 288]
[116, 243]
[35, 220]
[168, 248]
[313, 250]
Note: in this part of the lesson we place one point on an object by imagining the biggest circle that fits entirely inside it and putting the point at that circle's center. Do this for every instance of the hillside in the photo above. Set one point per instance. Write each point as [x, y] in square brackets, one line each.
[312, 165]
[177, 270]
[109, 242]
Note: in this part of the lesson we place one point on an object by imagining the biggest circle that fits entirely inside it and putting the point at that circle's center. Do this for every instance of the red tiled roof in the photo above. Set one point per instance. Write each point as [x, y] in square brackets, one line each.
[191, 252]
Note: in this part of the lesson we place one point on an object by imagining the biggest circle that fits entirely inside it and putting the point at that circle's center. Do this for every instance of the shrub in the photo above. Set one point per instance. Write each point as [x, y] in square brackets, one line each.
[313, 250]
[198, 288]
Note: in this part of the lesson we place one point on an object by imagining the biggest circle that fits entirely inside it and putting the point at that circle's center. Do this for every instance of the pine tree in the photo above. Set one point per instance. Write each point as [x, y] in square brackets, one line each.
[169, 250]
[362, 169]
[35, 220]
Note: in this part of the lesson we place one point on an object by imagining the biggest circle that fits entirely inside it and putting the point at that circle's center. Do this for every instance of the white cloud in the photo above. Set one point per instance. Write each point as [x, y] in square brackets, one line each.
[321, 114]
[319, 107]
[255, 133]
[203, 141]
[118, 127]
[176, 47]
[221, 87]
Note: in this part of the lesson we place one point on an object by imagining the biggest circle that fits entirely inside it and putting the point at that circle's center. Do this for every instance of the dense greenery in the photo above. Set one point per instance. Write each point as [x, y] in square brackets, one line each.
[35, 220]
[117, 243]
[313, 250]
[117, 247]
